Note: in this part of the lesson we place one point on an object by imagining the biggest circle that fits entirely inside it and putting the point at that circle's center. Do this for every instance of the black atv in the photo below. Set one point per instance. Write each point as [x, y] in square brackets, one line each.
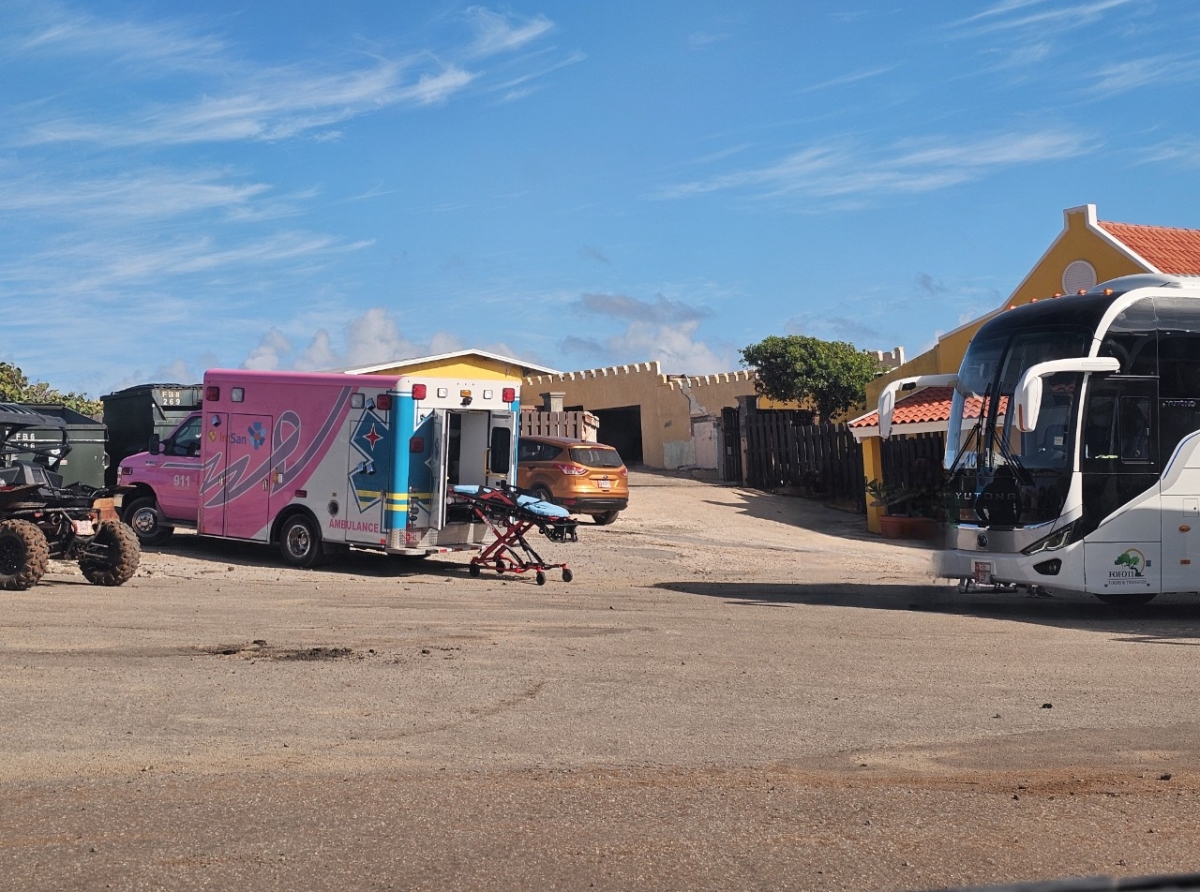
[40, 518]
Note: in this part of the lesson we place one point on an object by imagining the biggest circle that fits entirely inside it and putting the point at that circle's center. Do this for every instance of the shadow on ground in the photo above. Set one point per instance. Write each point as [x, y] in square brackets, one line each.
[1169, 619]
[257, 554]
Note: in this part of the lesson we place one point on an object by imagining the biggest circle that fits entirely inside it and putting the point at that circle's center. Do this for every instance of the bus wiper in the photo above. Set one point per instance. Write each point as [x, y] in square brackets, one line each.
[972, 436]
[1023, 474]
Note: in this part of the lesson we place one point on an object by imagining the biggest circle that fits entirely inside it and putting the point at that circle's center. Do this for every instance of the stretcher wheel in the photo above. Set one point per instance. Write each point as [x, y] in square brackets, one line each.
[567, 575]
[474, 569]
[541, 578]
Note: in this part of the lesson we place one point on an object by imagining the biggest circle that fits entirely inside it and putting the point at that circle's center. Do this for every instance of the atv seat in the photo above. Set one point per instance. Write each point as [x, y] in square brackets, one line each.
[27, 473]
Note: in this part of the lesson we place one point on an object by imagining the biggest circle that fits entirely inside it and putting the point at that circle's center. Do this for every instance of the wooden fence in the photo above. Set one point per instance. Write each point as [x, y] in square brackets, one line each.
[576, 425]
[821, 460]
[914, 461]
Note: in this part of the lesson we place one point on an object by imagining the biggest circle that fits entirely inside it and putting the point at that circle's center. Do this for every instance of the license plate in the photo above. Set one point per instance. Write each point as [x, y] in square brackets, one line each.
[983, 572]
[83, 527]
[605, 484]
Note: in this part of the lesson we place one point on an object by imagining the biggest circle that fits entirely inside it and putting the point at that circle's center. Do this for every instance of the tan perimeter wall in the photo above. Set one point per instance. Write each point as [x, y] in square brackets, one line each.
[668, 402]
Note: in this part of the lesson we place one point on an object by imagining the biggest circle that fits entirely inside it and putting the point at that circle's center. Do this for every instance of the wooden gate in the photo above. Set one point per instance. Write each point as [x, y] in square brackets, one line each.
[731, 445]
[821, 460]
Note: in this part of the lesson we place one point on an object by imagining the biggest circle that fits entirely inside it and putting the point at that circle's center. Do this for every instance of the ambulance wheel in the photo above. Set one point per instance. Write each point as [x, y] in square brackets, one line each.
[474, 569]
[300, 542]
[1136, 599]
[541, 578]
[147, 521]
[567, 575]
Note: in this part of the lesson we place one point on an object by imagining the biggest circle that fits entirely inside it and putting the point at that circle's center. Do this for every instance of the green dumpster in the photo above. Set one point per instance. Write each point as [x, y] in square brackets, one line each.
[84, 462]
[133, 414]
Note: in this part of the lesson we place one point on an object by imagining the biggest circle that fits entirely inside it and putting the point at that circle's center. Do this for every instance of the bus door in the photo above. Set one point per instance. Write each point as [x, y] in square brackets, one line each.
[235, 501]
[1119, 462]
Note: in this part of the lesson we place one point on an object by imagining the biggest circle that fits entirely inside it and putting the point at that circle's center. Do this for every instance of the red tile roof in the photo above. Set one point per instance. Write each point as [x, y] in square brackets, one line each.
[1168, 250]
[925, 407]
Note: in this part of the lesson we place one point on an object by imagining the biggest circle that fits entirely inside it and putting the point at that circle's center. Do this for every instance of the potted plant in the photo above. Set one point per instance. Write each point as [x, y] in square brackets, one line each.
[912, 511]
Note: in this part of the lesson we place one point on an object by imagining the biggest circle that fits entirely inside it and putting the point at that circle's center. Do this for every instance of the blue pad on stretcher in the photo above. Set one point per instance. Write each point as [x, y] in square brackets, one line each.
[532, 504]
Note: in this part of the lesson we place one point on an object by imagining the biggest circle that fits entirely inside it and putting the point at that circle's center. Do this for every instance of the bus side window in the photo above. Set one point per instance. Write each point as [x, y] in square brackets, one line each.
[1135, 428]
[1098, 442]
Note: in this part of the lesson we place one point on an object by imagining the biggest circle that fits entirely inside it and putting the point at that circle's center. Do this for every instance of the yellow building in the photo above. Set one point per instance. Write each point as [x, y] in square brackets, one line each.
[1086, 252]
[460, 364]
[659, 420]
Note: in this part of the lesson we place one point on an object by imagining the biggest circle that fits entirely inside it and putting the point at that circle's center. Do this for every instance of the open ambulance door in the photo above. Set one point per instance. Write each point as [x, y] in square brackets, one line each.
[438, 470]
[502, 452]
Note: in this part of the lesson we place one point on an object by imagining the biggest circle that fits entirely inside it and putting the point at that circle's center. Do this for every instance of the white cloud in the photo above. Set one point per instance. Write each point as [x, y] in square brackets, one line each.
[51, 29]
[1185, 152]
[1132, 74]
[499, 32]
[1043, 15]
[146, 195]
[851, 78]
[906, 167]
[270, 353]
[675, 346]
[270, 105]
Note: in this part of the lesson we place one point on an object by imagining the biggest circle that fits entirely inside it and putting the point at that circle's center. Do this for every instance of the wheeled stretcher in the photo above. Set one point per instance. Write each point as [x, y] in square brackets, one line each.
[509, 515]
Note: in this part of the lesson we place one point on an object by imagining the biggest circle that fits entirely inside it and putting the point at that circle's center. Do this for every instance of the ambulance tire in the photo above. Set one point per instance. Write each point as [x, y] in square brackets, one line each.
[300, 542]
[147, 521]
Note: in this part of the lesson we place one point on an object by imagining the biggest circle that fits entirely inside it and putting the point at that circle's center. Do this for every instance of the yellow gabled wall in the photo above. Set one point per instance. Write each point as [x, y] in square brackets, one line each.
[467, 367]
[1080, 239]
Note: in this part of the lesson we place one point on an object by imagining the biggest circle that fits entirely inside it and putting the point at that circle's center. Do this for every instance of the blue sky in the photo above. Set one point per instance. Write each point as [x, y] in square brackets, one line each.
[308, 185]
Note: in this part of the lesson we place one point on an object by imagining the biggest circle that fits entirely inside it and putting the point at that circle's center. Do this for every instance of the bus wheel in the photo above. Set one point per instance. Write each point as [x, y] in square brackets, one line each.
[1135, 599]
[300, 542]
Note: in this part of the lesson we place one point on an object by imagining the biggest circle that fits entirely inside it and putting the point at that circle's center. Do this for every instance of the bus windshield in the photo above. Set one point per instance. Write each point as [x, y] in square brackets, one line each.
[1002, 476]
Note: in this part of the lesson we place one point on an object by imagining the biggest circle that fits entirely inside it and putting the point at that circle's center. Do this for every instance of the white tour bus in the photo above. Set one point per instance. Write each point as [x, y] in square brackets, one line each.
[1073, 448]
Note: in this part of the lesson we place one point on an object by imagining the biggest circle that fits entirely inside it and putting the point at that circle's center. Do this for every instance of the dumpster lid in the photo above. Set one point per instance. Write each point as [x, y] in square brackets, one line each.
[143, 388]
[15, 418]
[14, 415]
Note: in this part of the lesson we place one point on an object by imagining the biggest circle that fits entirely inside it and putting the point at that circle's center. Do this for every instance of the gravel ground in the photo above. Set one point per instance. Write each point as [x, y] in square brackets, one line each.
[738, 690]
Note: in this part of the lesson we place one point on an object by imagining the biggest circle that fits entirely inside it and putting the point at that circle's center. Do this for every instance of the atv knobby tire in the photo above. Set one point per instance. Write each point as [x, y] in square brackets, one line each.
[24, 555]
[120, 543]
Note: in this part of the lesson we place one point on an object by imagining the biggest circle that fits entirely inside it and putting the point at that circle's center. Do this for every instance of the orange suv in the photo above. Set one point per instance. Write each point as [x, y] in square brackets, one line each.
[584, 478]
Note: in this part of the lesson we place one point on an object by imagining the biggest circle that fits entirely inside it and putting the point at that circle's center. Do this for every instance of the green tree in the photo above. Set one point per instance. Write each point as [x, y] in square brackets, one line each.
[832, 375]
[15, 388]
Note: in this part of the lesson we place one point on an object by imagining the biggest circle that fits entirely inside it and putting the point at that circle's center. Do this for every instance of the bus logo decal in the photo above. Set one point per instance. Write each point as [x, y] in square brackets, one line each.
[1130, 563]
